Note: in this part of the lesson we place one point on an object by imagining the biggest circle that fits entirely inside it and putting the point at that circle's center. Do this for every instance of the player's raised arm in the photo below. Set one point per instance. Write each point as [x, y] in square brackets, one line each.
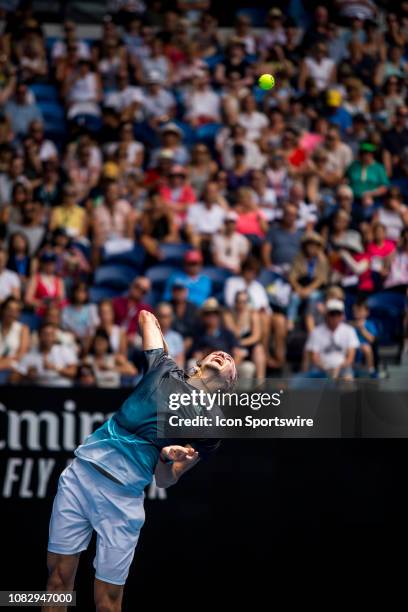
[151, 332]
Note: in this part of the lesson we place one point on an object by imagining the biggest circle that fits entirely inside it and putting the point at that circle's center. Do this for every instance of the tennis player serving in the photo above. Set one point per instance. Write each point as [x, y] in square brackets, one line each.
[103, 488]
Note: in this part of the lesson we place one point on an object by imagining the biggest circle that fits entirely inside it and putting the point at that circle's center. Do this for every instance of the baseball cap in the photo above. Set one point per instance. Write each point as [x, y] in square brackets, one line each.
[275, 12]
[334, 305]
[193, 257]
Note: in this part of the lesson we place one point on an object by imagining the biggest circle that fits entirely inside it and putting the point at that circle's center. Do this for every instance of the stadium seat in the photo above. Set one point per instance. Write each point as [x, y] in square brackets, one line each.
[173, 254]
[213, 60]
[52, 110]
[256, 15]
[218, 277]
[90, 122]
[54, 117]
[259, 94]
[97, 294]
[44, 92]
[30, 319]
[207, 133]
[134, 257]
[158, 276]
[188, 133]
[114, 276]
[387, 310]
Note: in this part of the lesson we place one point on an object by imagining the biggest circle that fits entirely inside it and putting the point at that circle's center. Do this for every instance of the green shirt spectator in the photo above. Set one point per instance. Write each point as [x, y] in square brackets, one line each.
[366, 176]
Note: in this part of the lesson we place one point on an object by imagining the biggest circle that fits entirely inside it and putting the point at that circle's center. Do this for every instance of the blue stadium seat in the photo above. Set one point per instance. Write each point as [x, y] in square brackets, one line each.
[158, 276]
[218, 277]
[258, 94]
[44, 92]
[49, 42]
[30, 319]
[114, 276]
[90, 122]
[173, 254]
[54, 117]
[97, 294]
[134, 257]
[213, 60]
[256, 15]
[189, 136]
[207, 133]
[387, 310]
[52, 110]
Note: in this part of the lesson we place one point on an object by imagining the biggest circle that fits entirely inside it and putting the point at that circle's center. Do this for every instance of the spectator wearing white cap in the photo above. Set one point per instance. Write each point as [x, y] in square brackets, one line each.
[331, 346]
[230, 248]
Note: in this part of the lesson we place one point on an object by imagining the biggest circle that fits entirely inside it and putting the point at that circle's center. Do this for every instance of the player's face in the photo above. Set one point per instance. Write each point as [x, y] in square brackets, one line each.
[218, 368]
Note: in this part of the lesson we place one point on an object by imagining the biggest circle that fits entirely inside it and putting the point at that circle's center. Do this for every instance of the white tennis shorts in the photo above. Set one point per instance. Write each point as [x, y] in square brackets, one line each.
[87, 500]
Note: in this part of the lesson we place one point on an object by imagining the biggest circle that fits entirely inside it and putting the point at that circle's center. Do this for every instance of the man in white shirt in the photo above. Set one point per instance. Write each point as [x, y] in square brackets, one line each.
[206, 218]
[10, 284]
[49, 365]
[228, 247]
[331, 346]
[126, 100]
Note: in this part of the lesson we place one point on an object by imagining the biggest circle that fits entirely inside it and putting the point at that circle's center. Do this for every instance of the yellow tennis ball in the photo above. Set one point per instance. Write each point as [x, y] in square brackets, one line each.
[266, 81]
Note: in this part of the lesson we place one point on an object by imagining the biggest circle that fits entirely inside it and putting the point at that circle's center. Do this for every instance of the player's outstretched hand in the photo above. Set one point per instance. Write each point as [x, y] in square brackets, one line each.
[179, 453]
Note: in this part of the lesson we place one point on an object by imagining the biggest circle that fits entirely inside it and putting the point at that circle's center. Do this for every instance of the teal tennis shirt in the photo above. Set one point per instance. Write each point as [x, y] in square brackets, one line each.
[127, 445]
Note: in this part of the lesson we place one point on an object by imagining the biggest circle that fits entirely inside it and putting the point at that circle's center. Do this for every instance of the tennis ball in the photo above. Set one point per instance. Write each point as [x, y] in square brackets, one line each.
[266, 81]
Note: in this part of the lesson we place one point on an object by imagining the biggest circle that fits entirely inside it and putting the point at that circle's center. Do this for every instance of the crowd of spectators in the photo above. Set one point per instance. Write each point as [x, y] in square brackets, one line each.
[286, 208]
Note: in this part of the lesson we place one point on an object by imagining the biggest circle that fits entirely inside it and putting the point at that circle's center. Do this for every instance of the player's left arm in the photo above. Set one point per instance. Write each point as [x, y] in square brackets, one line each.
[151, 332]
[183, 458]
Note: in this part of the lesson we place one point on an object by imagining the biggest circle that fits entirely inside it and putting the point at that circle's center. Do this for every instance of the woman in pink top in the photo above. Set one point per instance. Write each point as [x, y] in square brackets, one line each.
[380, 247]
[251, 219]
[178, 194]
